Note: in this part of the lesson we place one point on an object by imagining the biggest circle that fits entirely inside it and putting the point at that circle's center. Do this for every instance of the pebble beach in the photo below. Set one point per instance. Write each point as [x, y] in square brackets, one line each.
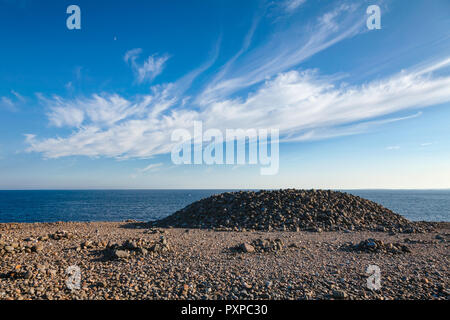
[180, 263]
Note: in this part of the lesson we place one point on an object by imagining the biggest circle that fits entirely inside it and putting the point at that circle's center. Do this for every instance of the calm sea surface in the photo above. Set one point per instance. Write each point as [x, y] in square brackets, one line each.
[145, 205]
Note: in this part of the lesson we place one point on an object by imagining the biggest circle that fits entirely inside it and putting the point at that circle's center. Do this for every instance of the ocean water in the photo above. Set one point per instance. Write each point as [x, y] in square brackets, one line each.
[94, 205]
[415, 205]
[146, 205]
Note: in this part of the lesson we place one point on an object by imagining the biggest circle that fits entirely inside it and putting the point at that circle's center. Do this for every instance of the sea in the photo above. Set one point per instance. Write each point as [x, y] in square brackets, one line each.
[148, 205]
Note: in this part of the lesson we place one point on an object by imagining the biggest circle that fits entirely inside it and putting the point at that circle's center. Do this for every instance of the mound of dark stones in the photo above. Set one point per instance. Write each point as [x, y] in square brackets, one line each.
[289, 210]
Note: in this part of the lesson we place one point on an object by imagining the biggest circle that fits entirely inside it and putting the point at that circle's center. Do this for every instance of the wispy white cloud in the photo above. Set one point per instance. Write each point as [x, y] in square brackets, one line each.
[181, 85]
[13, 102]
[393, 148]
[284, 50]
[292, 5]
[7, 103]
[246, 43]
[344, 130]
[149, 69]
[303, 105]
[132, 55]
[18, 96]
[99, 110]
[151, 167]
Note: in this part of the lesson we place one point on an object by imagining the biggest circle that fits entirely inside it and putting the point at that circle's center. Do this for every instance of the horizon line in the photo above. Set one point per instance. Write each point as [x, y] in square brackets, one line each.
[233, 189]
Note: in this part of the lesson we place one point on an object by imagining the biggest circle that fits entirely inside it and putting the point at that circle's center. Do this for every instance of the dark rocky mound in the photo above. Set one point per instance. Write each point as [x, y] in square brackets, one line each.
[290, 209]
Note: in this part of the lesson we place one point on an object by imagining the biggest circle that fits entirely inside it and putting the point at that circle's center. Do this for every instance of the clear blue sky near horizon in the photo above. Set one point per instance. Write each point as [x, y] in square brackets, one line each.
[95, 107]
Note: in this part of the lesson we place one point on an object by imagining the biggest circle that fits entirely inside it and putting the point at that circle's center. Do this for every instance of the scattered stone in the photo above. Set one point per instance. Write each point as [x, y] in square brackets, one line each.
[373, 246]
[439, 237]
[41, 268]
[37, 248]
[121, 254]
[260, 245]
[87, 245]
[339, 294]
[43, 238]
[184, 290]
[196, 266]
[247, 286]
[246, 247]
[134, 247]
[59, 235]
[52, 273]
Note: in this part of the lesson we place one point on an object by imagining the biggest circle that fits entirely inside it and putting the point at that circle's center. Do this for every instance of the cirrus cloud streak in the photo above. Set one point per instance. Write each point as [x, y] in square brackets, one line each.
[302, 105]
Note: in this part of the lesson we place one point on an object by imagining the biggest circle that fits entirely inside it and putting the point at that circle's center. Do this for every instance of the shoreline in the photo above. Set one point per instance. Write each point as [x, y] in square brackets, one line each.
[204, 263]
[149, 223]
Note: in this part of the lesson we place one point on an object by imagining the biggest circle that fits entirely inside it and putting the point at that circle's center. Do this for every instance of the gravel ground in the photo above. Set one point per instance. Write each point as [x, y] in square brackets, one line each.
[204, 264]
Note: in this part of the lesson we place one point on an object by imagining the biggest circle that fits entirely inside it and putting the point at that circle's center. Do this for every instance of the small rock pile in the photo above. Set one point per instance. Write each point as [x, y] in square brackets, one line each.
[30, 271]
[376, 246]
[59, 235]
[9, 247]
[9, 226]
[18, 247]
[290, 209]
[31, 244]
[16, 274]
[260, 245]
[89, 244]
[155, 231]
[135, 247]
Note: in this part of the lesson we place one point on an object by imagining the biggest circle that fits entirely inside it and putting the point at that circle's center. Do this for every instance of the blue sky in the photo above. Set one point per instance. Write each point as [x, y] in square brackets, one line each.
[95, 108]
